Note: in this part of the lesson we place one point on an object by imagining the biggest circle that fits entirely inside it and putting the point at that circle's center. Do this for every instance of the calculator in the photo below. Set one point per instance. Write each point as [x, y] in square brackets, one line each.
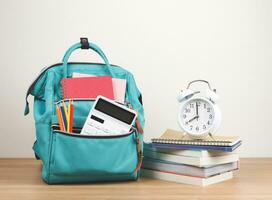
[108, 118]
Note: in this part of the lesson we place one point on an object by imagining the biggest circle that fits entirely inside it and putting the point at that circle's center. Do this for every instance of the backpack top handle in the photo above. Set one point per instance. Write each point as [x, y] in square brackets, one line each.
[84, 44]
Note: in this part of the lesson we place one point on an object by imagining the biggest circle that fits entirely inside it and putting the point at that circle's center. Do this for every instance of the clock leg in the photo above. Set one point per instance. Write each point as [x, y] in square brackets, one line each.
[211, 136]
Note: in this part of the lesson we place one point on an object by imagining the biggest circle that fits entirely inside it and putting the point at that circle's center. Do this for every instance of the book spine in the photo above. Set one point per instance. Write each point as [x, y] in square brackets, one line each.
[63, 88]
[186, 142]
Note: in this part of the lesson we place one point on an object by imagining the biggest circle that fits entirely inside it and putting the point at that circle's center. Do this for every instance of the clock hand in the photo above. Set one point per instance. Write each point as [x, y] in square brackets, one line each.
[195, 117]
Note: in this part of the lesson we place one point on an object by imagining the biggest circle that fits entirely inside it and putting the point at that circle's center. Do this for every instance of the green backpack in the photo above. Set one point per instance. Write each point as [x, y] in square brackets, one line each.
[69, 158]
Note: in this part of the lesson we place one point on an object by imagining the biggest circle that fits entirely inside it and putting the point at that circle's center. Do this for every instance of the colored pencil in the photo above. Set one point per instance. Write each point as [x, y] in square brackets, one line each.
[71, 116]
[65, 108]
[64, 117]
[59, 118]
[68, 116]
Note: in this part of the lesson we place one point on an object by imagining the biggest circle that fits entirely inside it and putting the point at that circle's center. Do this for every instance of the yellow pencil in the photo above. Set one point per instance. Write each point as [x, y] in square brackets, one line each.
[69, 113]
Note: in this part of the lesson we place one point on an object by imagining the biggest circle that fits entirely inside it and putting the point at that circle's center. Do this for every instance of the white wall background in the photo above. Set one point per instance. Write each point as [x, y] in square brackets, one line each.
[164, 43]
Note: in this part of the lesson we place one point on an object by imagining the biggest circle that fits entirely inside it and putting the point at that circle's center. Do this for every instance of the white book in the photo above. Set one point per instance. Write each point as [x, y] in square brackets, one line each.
[185, 152]
[195, 161]
[188, 170]
[186, 179]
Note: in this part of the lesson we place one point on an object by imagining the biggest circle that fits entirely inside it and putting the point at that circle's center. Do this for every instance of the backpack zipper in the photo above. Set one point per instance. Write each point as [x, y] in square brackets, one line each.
[90, 99]
[77, 129]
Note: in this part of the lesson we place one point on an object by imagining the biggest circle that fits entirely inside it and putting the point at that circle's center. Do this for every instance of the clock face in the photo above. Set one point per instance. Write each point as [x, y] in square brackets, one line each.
[197, 116]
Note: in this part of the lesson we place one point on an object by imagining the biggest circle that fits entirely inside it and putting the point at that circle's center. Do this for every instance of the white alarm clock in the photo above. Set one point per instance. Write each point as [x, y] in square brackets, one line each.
[199, 115]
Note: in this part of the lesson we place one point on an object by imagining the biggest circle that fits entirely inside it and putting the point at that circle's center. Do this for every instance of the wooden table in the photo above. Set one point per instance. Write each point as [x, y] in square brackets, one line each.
[20, 179]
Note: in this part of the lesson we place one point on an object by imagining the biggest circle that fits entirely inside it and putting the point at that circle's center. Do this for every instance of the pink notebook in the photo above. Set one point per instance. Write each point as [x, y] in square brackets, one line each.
[119, 86]
[87, 87]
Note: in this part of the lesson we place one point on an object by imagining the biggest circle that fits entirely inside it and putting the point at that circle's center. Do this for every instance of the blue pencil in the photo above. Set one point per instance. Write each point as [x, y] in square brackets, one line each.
[64, 117]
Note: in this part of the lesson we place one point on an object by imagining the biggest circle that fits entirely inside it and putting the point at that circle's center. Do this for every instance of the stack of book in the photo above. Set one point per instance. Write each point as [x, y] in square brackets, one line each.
[178, 158]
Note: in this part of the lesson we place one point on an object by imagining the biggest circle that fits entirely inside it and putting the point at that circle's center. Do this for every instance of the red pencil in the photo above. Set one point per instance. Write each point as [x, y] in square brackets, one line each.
[71, 116]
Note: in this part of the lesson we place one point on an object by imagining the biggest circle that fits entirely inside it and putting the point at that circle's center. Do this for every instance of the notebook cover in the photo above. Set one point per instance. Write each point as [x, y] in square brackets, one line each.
[119, 89]
[197, 147]
[87, 87]
[119, 86]
[177, 137]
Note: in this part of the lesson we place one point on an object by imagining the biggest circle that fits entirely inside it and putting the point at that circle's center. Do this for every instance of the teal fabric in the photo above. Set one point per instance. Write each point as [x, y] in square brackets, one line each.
[74, 159]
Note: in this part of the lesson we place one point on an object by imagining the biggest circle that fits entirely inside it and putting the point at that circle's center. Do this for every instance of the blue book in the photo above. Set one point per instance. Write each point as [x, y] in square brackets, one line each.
[197, 147]
[189, 170]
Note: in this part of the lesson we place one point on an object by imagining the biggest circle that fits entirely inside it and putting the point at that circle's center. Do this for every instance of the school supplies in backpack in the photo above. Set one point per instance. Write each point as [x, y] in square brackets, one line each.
[68, 156]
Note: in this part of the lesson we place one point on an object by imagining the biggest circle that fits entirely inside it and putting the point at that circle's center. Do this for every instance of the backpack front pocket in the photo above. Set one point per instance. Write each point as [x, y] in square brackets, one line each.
[82, 108]
[77, 158]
